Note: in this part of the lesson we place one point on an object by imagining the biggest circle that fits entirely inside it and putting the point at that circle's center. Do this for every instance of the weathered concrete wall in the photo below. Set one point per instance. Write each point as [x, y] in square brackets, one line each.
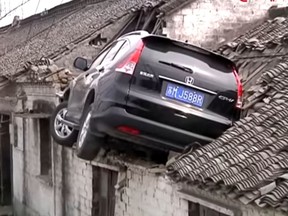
[150, 194]
[74, 176]
[208, 23]
[67, 189]
[69, 192]
[147, 194]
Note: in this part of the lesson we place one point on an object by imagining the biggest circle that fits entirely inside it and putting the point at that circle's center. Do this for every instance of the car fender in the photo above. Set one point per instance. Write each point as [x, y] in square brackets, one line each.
[92, 87]
[61, 94]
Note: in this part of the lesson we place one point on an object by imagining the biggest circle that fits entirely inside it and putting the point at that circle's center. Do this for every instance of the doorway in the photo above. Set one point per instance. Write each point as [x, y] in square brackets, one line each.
[5, 161]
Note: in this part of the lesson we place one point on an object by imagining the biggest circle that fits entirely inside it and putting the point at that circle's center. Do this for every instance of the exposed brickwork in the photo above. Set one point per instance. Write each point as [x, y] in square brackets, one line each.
[76, 181]
[148, 194]
[210, 22]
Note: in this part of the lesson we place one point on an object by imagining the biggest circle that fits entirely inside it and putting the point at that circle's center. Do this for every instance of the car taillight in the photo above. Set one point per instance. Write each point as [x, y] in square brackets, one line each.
[129, 64]
[128, 130]
[239, 89]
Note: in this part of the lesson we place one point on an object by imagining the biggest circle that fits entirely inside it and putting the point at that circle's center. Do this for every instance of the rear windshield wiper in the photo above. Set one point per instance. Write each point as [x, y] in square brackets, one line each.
[181, 67]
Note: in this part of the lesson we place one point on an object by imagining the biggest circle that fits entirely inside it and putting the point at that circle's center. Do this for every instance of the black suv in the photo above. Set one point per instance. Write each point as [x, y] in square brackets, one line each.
[149, 90]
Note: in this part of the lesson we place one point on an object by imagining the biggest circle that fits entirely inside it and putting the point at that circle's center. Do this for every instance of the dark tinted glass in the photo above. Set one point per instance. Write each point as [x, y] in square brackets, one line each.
[174, 52]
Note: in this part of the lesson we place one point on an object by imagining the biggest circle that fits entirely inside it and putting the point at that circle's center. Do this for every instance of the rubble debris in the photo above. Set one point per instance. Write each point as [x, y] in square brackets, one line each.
[46, 71]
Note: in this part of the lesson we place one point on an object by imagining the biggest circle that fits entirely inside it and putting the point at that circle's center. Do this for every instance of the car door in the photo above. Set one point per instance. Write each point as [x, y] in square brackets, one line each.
[81, 88]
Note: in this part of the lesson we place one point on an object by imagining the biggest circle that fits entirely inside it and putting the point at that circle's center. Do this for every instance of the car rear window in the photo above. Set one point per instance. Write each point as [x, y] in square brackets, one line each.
[175, 52]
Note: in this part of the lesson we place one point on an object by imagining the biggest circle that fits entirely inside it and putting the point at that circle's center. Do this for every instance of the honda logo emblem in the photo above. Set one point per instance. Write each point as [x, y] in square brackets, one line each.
[189, 80]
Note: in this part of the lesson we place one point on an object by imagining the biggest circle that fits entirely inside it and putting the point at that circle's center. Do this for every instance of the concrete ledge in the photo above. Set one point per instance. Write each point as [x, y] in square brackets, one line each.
[21, 210]
[6, 211]
[227, 210]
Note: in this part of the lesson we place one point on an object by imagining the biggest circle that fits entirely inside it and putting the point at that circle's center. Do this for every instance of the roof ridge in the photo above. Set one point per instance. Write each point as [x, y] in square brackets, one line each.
[58, 9]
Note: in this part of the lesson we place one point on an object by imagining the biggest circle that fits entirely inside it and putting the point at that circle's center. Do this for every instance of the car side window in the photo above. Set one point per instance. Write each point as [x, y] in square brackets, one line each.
[124, 48]
[112, 53]
[100, 58]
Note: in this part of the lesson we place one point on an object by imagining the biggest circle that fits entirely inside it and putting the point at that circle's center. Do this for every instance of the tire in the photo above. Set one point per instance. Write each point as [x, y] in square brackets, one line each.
[67, 136]
[87, 145]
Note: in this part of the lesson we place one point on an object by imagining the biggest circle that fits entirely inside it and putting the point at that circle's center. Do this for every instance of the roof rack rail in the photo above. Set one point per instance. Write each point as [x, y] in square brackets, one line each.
[140, 32]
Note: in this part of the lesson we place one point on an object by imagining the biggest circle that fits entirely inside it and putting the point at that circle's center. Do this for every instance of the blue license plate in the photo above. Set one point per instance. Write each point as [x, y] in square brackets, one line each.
[183, 94]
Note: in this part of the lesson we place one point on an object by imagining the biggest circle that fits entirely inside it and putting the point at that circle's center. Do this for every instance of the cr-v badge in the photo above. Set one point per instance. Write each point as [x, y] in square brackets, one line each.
[224, 98]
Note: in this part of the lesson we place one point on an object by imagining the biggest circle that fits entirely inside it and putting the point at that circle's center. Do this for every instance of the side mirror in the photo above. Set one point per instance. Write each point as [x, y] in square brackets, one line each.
[81, 63]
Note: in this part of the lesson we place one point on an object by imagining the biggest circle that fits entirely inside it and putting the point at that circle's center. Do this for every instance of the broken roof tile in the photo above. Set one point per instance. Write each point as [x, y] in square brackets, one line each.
[274, 197]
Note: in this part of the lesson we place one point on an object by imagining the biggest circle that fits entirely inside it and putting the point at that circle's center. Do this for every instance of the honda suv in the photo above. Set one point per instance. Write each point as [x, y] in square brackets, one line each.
[148, 90]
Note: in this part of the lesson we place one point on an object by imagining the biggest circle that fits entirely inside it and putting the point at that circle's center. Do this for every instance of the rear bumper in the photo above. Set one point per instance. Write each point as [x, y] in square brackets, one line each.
[152, 134]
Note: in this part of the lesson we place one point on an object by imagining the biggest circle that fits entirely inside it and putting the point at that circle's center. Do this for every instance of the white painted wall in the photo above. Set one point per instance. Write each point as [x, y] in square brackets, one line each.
[207, 23]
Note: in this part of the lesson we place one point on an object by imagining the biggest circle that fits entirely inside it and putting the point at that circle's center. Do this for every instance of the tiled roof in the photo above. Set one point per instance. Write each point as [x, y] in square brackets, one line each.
[62, 28]
[270, 38]
[249, 162]
[259, 49]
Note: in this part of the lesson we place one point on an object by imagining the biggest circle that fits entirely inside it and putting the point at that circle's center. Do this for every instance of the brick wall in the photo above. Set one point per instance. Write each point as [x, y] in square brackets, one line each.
[74, 177]
[210, 22]
[150, 194]
[147, 193]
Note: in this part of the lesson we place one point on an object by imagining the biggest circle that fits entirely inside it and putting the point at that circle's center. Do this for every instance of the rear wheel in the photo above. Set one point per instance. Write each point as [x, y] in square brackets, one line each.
[62, 133]
[87, 145]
